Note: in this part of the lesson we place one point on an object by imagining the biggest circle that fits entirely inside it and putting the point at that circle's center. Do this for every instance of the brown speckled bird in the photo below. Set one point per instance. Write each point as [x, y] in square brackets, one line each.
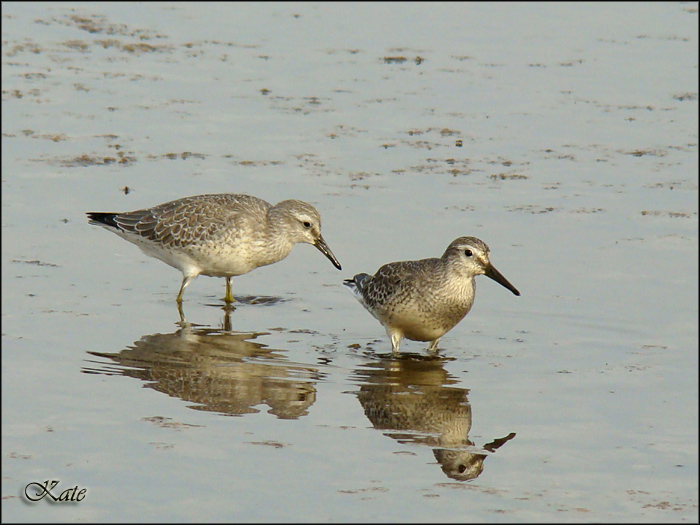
[423, 300]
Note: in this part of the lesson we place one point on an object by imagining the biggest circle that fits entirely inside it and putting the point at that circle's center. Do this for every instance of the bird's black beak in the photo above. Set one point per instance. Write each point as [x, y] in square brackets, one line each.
[325, 250]
[496, 276]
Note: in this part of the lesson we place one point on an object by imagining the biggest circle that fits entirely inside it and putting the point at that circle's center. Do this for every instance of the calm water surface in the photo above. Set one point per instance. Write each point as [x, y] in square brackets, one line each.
[563, 135]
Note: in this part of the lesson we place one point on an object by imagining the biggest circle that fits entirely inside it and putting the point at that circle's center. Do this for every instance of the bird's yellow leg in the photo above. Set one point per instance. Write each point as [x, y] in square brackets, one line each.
[229, 295]
[185, 281]
[395, 341]
[432, 348]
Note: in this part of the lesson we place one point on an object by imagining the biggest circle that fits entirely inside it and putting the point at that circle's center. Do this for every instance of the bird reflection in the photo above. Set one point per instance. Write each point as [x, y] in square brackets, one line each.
[219, 370]
[409, 399]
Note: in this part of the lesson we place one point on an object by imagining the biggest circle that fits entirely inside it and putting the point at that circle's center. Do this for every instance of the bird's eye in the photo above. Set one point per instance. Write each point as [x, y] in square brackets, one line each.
[468, 253]
[307, 224]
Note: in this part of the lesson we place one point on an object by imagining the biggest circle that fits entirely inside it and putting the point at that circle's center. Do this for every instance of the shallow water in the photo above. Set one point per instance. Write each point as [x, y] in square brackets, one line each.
[563, 135]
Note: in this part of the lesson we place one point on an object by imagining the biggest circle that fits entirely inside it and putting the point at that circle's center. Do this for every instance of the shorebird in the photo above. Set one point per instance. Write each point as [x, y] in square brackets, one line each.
[218, 235]
[423, 300]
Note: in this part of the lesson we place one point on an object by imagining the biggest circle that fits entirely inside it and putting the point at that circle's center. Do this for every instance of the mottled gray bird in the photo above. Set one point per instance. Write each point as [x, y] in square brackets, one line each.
[219, 235]
[423, 300]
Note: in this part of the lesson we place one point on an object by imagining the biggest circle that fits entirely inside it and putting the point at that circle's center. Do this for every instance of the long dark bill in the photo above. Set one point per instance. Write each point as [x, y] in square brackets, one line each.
[496, 276]
[325, 250]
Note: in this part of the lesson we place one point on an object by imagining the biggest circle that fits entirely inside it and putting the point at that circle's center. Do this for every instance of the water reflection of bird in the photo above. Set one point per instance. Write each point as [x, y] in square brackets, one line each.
[219, 370]
[409, 399]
